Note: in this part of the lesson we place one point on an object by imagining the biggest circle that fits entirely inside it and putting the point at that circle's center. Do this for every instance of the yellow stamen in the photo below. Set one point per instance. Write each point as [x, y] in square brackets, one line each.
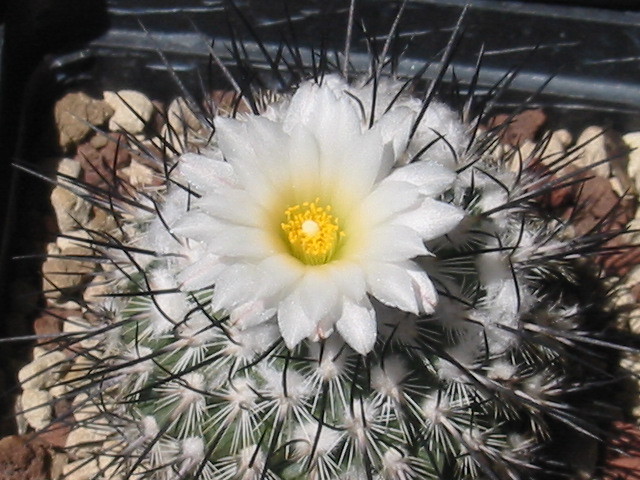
[312, 232]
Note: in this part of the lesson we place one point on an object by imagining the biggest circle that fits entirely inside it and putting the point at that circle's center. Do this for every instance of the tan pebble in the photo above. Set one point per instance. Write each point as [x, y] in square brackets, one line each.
[124, 104]
[84, 469]
[72, 212]
[96, 291]
[81, 329]
[83, 441]
[58, 461]
[103, 221]
[617, 186]
[62, 275]
[74, 115]
[64, 243]
[555, 146]
[43, 371]
[99, 140]
[632, 140]
[69, 167]
[36, 407]
[138, 174]
[85, 410]
[593, 150]
[180, 117]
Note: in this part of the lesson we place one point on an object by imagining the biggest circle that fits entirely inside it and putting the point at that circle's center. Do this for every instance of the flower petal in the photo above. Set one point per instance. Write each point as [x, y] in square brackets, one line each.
[391, 243]
[279, 272]
[392, 285]
[431, 178]
[357, 325]
[304, 161]
[423, 288]
[241, 241]
[198, 226]
[234, 206]
[206, 173]
[293, 321]
[389, 198]
[395, 126]
[254, 149]
[201, 274]
[251, 314]
[349, 278]
[318, 295]
[365, 159]
[235, 285]
[431, 219]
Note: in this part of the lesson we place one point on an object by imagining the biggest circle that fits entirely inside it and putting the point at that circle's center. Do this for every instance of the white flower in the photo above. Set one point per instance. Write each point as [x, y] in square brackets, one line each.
[309, 213]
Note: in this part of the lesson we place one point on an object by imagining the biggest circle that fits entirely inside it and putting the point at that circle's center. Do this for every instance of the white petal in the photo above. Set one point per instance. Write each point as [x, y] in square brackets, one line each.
[349, 278]
[241, 241]
[424, 290]
[198, 226]
[304, 161]
[234, 206]
[392, 285]
[333, 120]
[279, 273]
[431, 219]
[391, 243]
[365, 159]
[251, 314]
[293, 321]
[201, 274]
[388, 199]
[357, 325]
[431, 178]
[235, 286]
[395, 126]
[254, 149]
[206, 173]
[318, 295]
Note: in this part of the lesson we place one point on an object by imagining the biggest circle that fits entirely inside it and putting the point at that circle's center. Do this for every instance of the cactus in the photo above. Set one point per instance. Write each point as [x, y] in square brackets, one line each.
[344, 283]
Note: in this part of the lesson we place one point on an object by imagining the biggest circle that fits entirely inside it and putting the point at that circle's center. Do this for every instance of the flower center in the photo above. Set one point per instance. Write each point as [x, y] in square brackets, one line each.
[312, 232]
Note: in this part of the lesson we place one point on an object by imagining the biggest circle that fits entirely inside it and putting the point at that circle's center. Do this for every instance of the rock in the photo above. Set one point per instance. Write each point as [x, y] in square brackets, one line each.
[21, 459]
[606, 146]
[79, 328]
[71, 211]
[102, 221]
[62, 276]
[99, 140]
[622, 460]
[226, 101]
[69, 167]
[116, 152]
[48, 327]
[138, 175]
[181, 118]
[73, 114]
[592, 149]
[523, 126]
[85, 469]
[124, 104]
[58, 461]
[83, 442]
[43, 371]
[36, 407]
[632, 141]
[55, 434]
